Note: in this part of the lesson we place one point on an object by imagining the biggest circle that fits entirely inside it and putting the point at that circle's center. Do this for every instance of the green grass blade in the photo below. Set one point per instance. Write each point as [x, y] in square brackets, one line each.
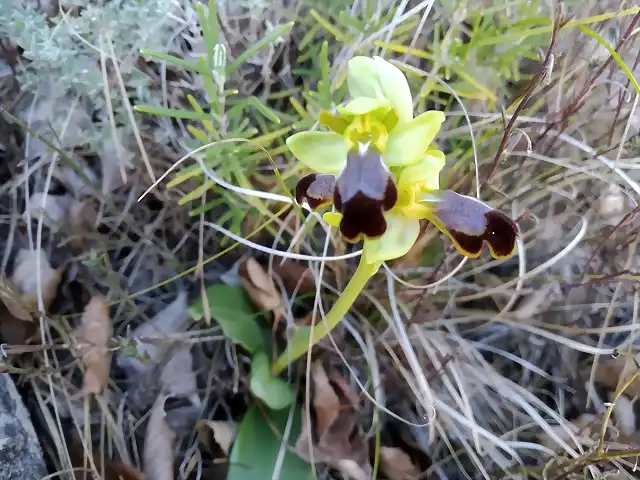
[614, 54]
[172, 112]
[279, 31]
[178, 62]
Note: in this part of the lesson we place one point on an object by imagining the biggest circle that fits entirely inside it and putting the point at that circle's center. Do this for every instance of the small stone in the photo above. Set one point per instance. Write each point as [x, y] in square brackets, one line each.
[20, 452]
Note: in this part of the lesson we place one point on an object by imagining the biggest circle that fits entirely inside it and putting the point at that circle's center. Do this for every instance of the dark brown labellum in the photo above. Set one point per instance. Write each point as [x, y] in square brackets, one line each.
[362, 193]
[471, 222]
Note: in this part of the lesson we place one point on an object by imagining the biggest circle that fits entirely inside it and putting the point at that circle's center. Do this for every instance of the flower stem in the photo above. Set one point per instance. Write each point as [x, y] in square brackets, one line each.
[306, 337]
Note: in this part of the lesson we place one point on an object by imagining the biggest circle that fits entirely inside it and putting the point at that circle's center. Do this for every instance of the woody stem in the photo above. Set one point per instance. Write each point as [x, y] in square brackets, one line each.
[306, 337]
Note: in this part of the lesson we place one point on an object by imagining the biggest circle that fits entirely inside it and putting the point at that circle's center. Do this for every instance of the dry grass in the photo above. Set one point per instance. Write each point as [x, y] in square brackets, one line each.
[506, 354]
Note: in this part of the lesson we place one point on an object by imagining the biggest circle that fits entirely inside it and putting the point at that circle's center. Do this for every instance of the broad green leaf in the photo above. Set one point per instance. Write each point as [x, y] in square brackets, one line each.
[257, 445]
[274, 392]
[232, 309]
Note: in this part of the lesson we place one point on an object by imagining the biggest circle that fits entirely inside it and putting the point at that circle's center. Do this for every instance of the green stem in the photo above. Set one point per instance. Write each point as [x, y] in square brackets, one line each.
[306, 337]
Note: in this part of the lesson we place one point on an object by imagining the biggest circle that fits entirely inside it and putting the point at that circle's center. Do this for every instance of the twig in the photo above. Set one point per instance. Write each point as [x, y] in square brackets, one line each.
[542, 73]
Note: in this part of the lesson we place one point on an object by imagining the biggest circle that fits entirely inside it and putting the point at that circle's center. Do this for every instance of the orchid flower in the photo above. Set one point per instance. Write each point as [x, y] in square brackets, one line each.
[378, 168]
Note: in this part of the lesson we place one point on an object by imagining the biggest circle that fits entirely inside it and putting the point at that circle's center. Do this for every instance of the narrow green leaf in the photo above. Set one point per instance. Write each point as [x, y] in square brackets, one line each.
[614, 54]
[232, 309]
[178, 62]
[264, 110]
[172, 112]
[256, 448]
[279, 31]
[274, 392]
[196, 192]
[207, 206]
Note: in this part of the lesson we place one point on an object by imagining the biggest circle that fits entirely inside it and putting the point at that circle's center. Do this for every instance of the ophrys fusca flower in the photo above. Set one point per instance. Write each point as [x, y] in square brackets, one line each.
[378, 168]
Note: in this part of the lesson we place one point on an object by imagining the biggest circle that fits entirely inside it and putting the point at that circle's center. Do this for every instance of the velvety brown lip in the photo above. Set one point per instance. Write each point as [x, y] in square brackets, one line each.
[316, 189]
[471, 222]
[363, 192]
[362, 216]
[501, 233]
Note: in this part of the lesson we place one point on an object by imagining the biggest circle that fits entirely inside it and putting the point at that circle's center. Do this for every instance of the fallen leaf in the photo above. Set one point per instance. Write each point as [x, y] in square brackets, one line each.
[112, 470]
[397, 465]
[533, 303]
[54, 212]
[586, 426]
[260, 287]
[295, 277]
[120, 471]
[223, 433]
[340, 439]
[79, 181]
[93, 334]
[614, 372]
[15, 331]
[158, 444]
[150, 336]
[20, 294]
[177, 378]
[115, 155]
[82, 218]
[611, 205]
[52, 105]
[624, 414]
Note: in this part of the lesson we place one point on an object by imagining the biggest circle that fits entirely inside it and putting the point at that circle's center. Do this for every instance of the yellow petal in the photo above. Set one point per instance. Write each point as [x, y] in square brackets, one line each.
[362, 105]
[425, 172]
[362, 78]
[322, 152]
[335, 123]
[376, 78]
[408, 142]
[395, 88]
[400, 236]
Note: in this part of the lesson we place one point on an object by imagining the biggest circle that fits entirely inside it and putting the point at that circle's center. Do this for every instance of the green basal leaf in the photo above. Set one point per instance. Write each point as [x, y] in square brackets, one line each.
[274, 392]
[256, 449]
[234, 312]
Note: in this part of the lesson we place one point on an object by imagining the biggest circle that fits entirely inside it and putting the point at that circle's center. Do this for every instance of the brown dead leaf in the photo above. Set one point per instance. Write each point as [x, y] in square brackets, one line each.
[586, 427]
[534, 303]
[15, 331]
[158, 444]
[260, 287]
[120, 471]
[397, 465]
[340, 439]
[295, 277]
[177, 377]
[155, 350]
[112, 470]
[154, 335]
[93, 334]
[20, 294]
[624, 415]
[82, 218]
[54, 212]
[615, 372]
[221, 433]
